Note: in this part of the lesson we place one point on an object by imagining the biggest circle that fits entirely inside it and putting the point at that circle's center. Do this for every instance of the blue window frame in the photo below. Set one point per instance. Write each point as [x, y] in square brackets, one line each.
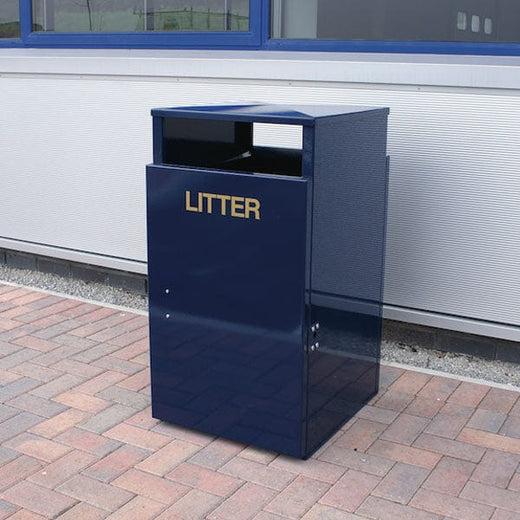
[263, 33]
[210, 39]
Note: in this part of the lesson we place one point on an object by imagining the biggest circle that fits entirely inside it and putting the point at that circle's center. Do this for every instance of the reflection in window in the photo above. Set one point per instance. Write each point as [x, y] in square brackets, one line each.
[488, 25]
[462, 21]
[475, 23]
[397, 20]
[140, 15]
[9, 19]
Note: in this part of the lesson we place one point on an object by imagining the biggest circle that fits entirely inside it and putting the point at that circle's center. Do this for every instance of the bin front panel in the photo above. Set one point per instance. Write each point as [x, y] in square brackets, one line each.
[227, 255]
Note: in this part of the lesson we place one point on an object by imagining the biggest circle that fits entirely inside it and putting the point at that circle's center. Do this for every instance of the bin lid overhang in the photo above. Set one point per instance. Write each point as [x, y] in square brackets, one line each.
[266, 113]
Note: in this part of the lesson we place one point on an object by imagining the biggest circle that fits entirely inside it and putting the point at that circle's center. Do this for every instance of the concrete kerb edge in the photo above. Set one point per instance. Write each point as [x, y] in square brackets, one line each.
[457, 377]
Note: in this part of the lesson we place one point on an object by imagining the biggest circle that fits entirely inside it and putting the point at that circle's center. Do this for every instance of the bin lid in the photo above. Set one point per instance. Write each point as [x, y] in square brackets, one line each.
[268, 113]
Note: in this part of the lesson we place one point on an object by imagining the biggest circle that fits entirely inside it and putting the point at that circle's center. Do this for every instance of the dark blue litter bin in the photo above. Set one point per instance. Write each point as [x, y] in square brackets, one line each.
[266, 271]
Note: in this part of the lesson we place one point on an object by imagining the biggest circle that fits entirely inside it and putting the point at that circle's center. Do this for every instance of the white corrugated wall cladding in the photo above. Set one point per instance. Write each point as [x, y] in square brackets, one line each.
[73, 176]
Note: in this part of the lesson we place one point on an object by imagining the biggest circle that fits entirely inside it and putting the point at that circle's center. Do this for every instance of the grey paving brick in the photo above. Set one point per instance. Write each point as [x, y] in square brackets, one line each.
[17, 387]
[18, 357]
[35, 371]
[93, 353]
[18, 424]
[7, 411]
[487, 420]
[7, 455]
[37, 405]
[62, 307]
[58, 354]
[70, 340]
[511, 428]
[7, 509]
[118, 365]
[8, 348]
[106, 419]
[124, 396]
[58, 329]
[57, 386]
[5, 306]
[17, 332]
[47, 301]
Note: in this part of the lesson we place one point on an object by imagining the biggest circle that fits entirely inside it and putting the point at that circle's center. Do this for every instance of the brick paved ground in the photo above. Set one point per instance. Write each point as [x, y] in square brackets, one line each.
[77, 440]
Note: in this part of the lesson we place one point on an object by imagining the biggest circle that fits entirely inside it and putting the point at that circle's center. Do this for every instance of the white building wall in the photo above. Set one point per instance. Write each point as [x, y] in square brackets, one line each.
[76, 135]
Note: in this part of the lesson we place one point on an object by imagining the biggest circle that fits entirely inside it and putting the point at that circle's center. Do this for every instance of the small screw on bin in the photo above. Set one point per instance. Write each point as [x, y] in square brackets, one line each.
[167, 316]
[167, 291]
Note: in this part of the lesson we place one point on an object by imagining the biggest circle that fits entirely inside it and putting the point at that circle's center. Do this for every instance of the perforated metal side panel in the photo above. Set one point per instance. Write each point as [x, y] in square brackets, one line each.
[349, 208]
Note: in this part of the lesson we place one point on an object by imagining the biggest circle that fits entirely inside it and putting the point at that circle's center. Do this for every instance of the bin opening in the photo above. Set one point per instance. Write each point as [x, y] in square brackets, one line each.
[224, 145]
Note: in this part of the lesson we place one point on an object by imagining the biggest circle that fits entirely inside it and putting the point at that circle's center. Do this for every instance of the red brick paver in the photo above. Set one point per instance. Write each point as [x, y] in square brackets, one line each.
[77, 440]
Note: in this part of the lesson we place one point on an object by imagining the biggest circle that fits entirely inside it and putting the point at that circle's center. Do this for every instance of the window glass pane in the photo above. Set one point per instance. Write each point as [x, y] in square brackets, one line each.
[9, 19]
[398, 20]
[140, 15]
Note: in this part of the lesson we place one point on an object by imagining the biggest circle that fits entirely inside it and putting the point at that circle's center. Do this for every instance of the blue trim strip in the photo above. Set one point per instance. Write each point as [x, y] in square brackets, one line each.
[256, 38]
[144, 40]
[10, 43]
[411, 47]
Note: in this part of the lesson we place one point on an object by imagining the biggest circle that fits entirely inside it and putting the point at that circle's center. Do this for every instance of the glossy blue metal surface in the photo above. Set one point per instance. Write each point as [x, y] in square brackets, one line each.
[289, 114]
[266, 290]
[344, 372]
[227, 305]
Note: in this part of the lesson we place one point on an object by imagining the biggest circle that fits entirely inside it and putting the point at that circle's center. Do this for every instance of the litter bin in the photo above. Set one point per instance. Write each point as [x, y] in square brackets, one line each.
[266, 270]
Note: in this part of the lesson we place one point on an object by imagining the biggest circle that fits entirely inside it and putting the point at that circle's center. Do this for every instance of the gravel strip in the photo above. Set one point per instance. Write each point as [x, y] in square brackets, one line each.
[70, 286]
[411, 355]
[452, 363]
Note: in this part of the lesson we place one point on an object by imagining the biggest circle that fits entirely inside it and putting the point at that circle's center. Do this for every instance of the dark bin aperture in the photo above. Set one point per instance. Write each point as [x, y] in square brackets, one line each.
[266, 271]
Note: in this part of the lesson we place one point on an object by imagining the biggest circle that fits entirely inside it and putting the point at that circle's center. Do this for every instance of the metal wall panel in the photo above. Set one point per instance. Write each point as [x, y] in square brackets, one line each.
[75, 149]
